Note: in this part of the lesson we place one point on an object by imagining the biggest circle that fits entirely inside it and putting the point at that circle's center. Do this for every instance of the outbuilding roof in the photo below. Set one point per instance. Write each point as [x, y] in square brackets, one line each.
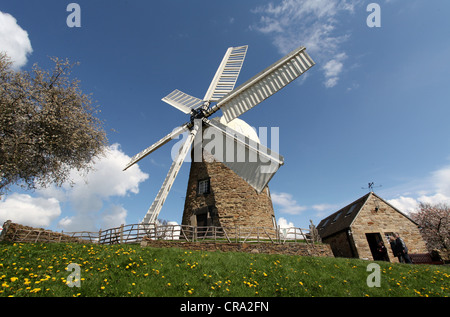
[343, 218]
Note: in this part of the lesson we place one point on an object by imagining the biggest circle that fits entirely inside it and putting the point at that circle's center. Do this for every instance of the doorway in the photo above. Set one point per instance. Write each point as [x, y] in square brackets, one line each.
[202, 223]
[202, 220]
[374, 240]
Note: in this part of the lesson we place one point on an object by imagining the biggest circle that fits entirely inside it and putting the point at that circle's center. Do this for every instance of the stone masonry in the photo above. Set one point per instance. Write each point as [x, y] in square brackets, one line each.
[299, 249]
[376, 216]
[230, 201]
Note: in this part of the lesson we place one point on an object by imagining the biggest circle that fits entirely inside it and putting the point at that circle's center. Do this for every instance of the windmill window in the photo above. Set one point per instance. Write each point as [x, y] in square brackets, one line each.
[203, 186]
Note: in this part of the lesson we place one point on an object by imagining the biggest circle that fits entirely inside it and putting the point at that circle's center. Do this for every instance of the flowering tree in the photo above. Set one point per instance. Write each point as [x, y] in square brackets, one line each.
[47, 126]
[434, 221]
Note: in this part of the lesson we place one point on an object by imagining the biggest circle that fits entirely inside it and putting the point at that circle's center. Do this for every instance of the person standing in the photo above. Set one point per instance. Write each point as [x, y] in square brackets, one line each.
[396, 249]
[382, 252]
[402, 248]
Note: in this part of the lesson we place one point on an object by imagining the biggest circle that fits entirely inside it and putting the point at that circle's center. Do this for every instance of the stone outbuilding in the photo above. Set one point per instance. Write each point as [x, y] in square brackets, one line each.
[355, 230]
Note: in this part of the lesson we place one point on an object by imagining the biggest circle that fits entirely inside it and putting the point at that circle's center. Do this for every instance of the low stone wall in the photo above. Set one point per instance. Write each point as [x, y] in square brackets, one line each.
[14, 232]
[301, 249]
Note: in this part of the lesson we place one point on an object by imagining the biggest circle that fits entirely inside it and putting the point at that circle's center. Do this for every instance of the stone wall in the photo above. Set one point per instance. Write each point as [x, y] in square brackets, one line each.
[340, 245]
[376, 216]
[301, 249]
[14, 232]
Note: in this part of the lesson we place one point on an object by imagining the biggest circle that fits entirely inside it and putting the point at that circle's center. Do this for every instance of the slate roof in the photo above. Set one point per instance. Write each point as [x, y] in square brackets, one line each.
[343, 218]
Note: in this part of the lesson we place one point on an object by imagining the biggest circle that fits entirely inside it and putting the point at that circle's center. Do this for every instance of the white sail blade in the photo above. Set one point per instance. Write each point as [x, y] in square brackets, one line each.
[155, 208]
[264, 84]
[227, 73]
[252, 161]
[182, 101]
[176, 132]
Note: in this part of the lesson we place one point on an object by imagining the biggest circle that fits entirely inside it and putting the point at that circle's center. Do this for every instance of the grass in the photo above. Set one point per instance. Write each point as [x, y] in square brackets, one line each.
[129, 270]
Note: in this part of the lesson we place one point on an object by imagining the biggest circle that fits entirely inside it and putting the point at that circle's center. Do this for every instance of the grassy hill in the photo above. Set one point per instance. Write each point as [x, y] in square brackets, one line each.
[129, 270]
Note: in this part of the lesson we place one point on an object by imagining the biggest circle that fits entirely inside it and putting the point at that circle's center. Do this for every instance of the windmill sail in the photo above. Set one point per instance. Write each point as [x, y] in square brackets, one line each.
[260, 163]
[182, 101]
[176, 132]
[264, 84]
[252, 161]
[227, 73]
[155, 208]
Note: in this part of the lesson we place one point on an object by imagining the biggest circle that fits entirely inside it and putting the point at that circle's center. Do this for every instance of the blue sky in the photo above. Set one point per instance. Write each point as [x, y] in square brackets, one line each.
[374, 108]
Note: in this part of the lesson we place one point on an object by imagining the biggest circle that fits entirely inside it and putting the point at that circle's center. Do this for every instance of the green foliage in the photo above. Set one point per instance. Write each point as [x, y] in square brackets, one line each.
[129, 270]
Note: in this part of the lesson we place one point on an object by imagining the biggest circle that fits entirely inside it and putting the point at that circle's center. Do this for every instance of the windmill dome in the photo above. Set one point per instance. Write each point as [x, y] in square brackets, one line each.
[242, 127]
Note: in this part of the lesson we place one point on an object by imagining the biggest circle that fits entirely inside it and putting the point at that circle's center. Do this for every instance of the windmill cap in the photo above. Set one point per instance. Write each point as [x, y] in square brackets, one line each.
[242, 127]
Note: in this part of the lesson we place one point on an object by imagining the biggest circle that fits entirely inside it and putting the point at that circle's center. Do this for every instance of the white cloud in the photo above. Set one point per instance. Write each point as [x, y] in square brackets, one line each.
[323, 210]
[14, 40]
[441, 178]
[113, 217]
[323, 207]
[438, 192]
[333, 68]
[404, 204]
[89, 193]
[287, 203]
[311, 23]
[106, 180]
[30, 211]
[283, 223]
[86, 196]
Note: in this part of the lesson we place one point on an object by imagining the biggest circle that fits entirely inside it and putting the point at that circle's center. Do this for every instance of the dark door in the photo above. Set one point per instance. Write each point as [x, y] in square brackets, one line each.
[377, 246]
[202, 220]
[202, 223]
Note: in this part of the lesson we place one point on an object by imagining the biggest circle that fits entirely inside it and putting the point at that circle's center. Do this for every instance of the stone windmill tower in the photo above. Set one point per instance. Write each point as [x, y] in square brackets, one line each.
[230, 171]
[216, 196]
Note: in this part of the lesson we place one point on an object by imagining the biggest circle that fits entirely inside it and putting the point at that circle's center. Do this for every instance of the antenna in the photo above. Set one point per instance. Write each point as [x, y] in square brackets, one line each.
[371, 186]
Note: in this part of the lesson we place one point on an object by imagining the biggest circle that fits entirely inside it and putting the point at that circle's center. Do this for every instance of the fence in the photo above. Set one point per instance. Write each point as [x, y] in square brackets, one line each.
[135, 233]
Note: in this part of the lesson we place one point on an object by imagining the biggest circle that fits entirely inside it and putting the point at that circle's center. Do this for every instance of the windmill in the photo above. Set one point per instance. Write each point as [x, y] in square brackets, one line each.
[221, 95]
